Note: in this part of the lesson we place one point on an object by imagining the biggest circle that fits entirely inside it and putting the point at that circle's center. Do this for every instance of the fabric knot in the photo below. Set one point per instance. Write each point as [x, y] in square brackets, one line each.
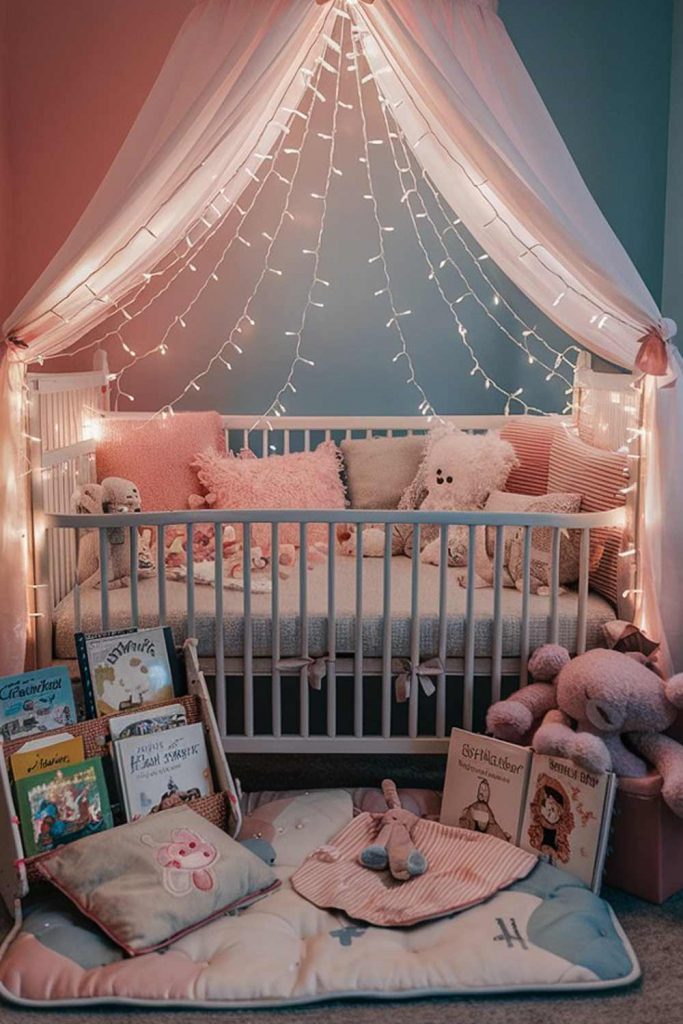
[653, 358]
[317, 668]
[409, 675]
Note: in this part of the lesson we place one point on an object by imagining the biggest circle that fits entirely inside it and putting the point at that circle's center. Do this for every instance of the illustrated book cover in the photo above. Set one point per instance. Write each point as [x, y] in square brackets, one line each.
[38, 756]
[61, 806]
[547, 805]
[124, 670]
[162, 770]
[36, 702]
[143, 723]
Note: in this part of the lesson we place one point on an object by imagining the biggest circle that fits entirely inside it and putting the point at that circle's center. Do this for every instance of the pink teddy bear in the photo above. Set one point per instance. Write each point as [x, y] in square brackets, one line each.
[186, 861]
[583, 707]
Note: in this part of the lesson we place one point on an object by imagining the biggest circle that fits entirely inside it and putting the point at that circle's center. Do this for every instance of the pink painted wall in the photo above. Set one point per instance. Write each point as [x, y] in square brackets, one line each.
[79, 72]
[5, 174]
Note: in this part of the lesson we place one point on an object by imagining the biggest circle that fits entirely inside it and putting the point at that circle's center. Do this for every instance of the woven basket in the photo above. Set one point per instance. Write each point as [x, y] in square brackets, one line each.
[97, 743]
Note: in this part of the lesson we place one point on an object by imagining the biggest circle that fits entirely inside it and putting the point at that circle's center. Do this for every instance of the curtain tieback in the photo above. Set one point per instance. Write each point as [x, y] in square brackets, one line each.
[317, 668]
[408, 675]
[653, 357]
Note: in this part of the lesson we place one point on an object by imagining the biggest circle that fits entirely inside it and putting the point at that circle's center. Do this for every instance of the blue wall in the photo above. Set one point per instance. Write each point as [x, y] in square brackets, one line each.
[603, 70]
[673, 262]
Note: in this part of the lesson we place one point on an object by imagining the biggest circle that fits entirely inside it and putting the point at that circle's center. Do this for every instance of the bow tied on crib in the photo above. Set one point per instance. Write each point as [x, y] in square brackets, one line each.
[317, 668]
[409, 675]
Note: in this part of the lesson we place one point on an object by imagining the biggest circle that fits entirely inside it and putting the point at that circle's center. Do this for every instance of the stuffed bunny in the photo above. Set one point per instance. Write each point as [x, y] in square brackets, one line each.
[586, 705]
[393, 847]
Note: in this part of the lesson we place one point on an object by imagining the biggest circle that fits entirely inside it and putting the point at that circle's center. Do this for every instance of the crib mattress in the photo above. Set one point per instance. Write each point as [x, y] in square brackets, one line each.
[599, 611]
[546, 933]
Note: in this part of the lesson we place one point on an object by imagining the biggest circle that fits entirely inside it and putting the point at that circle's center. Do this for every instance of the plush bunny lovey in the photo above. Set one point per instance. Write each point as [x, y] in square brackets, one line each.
[394, 847]
[457, 473]
[588, 705]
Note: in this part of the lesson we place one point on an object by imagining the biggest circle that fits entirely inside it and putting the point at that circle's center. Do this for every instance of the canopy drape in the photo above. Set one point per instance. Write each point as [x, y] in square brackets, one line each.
[480, 131]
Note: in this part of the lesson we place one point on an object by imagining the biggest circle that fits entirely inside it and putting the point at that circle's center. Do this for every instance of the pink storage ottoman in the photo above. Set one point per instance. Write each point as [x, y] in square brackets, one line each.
[646, 857]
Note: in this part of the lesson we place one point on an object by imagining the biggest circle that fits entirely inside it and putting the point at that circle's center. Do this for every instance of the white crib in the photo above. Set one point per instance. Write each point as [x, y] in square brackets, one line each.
[361, 621]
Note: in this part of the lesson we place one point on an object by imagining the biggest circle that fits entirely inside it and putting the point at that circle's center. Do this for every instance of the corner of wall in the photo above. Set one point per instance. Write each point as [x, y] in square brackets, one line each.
[672, 291]
[5, 170]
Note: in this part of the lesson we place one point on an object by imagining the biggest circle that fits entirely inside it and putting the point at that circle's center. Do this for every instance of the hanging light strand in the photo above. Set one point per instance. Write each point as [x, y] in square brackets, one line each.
[426, 408]
[230, 344]
[277, 407]
[528, 250]
[477, 367]
[274, 121]
[412, 190]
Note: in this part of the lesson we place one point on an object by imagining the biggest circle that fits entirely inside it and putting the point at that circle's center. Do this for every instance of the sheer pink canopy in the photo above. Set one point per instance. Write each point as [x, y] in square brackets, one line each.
[476, 123]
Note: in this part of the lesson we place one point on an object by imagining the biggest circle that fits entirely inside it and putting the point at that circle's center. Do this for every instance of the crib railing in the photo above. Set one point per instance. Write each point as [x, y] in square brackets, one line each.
[434, 671]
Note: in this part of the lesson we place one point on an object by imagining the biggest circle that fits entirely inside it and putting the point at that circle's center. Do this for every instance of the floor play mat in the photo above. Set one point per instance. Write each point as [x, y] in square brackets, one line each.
[545, 933]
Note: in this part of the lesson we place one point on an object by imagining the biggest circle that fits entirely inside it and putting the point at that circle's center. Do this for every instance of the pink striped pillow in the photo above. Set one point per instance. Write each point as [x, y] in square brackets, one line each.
[599, 476]
[531, 438]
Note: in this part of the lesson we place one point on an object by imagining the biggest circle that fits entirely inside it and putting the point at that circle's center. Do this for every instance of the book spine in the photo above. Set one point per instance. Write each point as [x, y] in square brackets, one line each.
[86, 679]
[605, 829]
[524, 799]
[177, 675]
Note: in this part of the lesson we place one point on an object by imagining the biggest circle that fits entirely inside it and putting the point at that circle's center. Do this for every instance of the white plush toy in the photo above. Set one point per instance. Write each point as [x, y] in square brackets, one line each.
[457, 473]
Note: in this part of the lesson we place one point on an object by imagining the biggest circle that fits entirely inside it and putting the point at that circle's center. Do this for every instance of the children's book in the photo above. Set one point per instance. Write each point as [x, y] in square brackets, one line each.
[36, 702]
[44, 755]
[143, 723]
[125, 669]
[162, 770]
[61, 806]
[546, 805]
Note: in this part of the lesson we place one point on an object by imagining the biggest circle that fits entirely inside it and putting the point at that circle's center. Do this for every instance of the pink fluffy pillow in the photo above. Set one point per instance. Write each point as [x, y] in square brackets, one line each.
[300, 480]
[157, 455]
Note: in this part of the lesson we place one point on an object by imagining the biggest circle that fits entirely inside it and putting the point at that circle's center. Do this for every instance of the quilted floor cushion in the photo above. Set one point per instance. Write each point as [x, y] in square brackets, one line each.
[546, 933]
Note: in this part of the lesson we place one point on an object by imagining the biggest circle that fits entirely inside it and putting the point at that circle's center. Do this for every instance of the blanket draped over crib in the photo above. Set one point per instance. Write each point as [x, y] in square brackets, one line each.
[544, 933]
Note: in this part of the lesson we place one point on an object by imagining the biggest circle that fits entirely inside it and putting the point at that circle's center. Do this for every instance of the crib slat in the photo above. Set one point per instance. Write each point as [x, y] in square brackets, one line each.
[77, 586]
[584, 567]
[285, 441]
[134, 602]
[524, 638]
[555, 586]
[307, 440]
[221, 696]
[386, 639]
[413, 705]
[265, 442]
[104, 578]
[276, 685]
[161, 573]
[358, 658]
[303, 619]
[443, 633]
[468, 695]
[248, 637]
[245, 439]
[189, 583]
[331, 631]
[497, 646]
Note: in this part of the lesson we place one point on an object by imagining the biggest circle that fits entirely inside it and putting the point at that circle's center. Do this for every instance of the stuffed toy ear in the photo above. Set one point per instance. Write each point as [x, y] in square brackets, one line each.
[674, 690]
[547, 661]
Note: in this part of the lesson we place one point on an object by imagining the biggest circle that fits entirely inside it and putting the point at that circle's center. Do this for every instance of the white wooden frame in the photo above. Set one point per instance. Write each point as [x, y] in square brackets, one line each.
[56, 467]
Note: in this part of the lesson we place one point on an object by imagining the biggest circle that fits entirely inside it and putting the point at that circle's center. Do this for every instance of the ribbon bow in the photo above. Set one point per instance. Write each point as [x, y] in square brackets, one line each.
[317, 668]
[408, 675]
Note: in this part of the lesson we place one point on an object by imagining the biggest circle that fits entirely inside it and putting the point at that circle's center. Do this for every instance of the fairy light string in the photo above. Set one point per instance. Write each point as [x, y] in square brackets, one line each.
[602, 315]
[408, 192]
[425, 407]
[202, 219]
[230, 343]
[277, 407]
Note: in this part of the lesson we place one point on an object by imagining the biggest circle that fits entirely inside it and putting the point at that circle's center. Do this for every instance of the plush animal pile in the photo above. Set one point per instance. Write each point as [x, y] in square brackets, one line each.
[457, 473]
[604, 710]
[114, 495]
